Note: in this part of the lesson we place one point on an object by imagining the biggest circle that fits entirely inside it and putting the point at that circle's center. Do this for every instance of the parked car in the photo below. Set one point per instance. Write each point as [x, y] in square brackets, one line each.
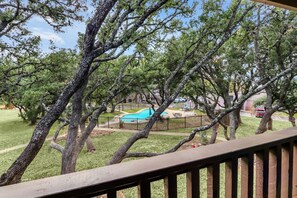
[260, 111]
[180, 99]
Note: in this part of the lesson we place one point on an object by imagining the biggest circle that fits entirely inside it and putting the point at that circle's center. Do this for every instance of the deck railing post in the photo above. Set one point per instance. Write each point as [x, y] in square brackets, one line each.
[112, 194]
[285, 172]
[170, 186]
[144, 190]
[294, 183]
[262, 172]
[247, 176]
[231, 178]
[213, 181]
[272, 173]
[193, 184]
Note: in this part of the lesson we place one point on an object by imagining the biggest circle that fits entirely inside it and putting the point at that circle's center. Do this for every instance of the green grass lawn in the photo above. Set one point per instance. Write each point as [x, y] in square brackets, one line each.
[13, 131]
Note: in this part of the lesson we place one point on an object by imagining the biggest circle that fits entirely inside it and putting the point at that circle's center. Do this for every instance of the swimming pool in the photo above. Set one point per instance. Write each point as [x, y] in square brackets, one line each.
[141, 116]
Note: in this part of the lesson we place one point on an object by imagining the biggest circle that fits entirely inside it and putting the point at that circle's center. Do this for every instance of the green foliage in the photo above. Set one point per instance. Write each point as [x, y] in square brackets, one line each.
[50, 75]
[260, 101]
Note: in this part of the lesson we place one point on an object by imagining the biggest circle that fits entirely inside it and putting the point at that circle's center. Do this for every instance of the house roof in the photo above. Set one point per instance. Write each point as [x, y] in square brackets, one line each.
[287, 4]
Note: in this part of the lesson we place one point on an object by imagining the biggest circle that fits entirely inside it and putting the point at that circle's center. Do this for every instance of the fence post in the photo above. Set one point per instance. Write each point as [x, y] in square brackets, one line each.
[185, 122]
[168, 124]
[201, 120]
[98, 121]
[136, 123]
[107, 122]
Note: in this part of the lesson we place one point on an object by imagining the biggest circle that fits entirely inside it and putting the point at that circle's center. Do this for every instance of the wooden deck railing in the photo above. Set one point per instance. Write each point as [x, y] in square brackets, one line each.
[259, 166]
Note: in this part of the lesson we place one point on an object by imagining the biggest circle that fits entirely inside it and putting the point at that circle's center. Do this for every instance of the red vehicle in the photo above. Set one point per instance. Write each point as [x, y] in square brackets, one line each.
[260, 111]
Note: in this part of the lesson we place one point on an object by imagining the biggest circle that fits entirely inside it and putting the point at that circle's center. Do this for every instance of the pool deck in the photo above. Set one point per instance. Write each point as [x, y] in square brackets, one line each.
[170, 113]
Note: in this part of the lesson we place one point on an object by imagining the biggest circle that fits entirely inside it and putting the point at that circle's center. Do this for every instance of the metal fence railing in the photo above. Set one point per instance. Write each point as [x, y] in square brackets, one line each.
[161, 125]
[127, 106]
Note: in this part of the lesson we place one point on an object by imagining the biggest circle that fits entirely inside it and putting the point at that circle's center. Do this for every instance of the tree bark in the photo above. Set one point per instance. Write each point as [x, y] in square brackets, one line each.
[225, 128]
[265, 120]
[113, 107]
[233, 124]
[237, 114]
[292, 118]
[269, 124]
[69, 155]
[90, 146]
[215, 131]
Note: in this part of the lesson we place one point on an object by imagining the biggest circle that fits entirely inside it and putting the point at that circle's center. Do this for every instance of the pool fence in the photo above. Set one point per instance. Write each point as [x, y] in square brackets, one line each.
[163, 124]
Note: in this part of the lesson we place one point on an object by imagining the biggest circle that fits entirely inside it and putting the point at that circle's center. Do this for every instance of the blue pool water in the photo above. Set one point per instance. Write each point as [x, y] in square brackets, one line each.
[141, 116]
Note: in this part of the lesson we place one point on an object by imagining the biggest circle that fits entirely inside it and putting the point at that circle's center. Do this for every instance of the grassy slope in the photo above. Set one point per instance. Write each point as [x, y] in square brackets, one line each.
[13, 131]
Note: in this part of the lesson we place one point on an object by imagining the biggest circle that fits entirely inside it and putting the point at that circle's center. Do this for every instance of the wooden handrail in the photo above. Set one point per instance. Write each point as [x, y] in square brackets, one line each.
[120, 176]
[286, 4]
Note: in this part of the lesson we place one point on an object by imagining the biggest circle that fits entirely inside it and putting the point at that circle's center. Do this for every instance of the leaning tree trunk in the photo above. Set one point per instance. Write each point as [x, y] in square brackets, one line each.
[233, 124]
[292, 118]
[215, 131]
[113, 107]
[69, 156]
[270, 124]
[237, 114]
[90, 146]
[225, 129]
[265, 120]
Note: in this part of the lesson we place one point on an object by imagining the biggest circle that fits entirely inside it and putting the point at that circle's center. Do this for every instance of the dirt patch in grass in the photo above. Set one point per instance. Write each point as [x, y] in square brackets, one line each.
[97, 132]
[190, 145]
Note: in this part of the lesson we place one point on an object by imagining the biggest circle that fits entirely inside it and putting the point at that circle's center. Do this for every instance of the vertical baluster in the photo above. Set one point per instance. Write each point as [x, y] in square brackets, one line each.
[247, 176]
[294, 184]
[228, 179]
[279, 171]
[259, 175]
[272, 173]
[265, 173]
[193, 184]
[213, 181]
[291, 162]
[144, 189]
[262, 172]
[112, 194]
[244, 177]
[285, 172]
[231, 178]
[170, 186]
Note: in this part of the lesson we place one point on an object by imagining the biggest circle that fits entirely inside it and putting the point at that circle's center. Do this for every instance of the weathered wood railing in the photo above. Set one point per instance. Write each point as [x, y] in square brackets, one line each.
[258, 166]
